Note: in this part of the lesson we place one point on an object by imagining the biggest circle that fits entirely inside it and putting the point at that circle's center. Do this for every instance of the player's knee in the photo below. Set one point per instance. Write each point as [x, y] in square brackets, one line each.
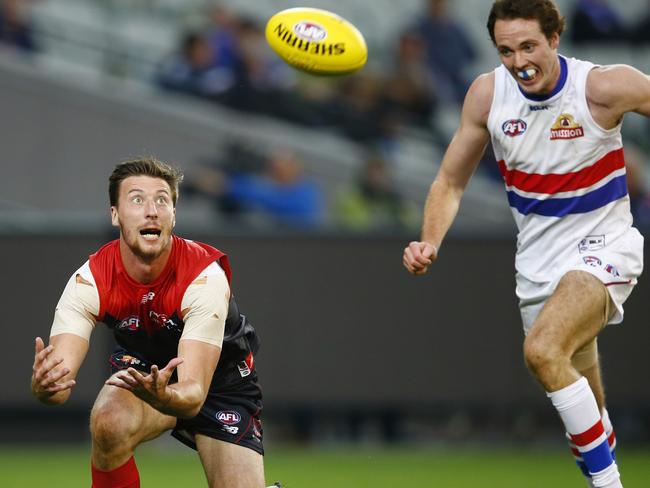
[112, 428]
[541, 358]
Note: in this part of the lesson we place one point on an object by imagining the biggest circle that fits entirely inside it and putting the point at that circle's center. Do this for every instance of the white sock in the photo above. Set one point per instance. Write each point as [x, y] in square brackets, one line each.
[578, 410]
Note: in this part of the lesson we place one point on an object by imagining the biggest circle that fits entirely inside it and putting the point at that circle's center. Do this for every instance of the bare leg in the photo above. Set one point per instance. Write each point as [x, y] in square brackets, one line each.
[571, 318]
[228, 465]
[569, 322]
[119, 422]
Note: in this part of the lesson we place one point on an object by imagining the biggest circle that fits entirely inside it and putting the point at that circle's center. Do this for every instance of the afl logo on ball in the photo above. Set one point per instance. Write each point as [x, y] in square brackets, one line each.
[228, 417]
[514, 127]
[310, 31]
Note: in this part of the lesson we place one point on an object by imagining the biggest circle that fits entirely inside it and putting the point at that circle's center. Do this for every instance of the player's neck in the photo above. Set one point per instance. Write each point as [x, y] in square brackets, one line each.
[141, 269]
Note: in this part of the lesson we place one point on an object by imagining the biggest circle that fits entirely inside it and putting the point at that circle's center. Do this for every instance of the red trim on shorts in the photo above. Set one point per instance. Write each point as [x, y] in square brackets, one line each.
[250, 422]
[619, 283]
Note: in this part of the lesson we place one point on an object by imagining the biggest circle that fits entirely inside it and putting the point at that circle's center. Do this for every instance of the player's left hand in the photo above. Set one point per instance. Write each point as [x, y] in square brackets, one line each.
[152, 388]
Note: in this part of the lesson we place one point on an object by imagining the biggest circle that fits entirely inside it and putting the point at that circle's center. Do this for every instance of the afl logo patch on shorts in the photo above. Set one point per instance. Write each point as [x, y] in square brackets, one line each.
[228, 417]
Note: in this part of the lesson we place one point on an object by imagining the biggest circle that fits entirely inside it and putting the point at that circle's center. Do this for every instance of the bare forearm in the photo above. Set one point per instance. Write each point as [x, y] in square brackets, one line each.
[185, 400]
[58, 398]
[440, 210]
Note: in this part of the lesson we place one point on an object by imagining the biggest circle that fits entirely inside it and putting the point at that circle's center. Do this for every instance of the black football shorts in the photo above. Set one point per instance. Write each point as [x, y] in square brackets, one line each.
[232, 409]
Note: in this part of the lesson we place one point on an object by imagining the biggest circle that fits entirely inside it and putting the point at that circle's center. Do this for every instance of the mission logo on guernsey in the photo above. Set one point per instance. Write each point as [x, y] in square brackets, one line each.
[565, 127]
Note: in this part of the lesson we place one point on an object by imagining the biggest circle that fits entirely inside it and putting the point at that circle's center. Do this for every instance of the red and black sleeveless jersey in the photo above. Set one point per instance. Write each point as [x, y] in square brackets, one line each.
[147, 319]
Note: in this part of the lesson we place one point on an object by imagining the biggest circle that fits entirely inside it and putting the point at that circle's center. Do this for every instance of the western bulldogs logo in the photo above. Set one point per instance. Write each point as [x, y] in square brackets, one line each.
[228, 417]
[514, 127]
[592, 261]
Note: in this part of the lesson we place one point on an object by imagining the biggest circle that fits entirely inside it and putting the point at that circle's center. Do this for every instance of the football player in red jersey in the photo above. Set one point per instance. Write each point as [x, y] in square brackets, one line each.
[169, 304]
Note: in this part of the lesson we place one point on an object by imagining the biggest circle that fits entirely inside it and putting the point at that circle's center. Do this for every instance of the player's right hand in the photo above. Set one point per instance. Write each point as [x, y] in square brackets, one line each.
[418, 256]
[48, 372]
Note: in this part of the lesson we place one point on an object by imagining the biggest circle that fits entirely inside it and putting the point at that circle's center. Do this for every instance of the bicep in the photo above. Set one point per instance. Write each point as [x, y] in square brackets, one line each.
[472, 137]
[463, 154]
[620, 89]
[205, 307]
[644, 102]
[77, 308]
[633, 90]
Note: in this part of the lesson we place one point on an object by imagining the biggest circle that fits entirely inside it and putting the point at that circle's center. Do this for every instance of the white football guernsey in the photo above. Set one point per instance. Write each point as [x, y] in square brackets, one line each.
[564, 174]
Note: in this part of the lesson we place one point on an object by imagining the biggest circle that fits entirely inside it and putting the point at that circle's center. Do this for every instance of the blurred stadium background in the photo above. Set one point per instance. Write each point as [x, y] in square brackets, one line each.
[312, 186]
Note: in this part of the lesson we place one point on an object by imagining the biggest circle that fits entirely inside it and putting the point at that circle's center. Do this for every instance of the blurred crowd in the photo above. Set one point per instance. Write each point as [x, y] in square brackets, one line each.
[229, 62]
[426, 68]
[16, 29]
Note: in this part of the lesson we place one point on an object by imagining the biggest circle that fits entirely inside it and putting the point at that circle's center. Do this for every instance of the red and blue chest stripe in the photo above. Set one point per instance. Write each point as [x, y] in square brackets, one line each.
[547, 185]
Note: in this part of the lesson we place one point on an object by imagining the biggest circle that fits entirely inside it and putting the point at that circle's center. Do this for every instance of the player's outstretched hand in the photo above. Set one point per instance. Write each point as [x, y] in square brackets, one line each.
[48, 372]
[153, 388]
[418, 256]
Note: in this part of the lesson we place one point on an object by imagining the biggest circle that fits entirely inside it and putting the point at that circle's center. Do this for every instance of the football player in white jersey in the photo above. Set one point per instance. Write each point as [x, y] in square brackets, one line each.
[554, 124]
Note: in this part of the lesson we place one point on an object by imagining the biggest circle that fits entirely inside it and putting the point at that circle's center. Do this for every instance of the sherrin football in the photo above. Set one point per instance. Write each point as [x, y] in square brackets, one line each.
[316, 41]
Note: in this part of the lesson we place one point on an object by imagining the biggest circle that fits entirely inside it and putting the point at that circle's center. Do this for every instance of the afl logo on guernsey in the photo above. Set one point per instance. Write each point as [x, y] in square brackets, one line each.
[228, 417]
[514, 127]
[309, 31]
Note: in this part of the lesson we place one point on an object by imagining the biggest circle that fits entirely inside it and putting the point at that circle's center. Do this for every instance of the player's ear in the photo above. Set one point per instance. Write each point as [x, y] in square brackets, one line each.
[174, 218]
[554, 41]
[115, 220]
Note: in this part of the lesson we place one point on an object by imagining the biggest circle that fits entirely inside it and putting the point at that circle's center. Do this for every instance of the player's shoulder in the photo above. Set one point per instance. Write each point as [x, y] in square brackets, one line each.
[478, 100]
[608, 82]
[482, 88]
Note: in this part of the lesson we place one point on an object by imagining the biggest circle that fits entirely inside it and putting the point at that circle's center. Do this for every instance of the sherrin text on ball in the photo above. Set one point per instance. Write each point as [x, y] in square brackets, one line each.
[316, 41]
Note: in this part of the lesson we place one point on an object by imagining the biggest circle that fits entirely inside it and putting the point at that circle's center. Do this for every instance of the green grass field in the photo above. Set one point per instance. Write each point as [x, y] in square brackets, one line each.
[60, 466]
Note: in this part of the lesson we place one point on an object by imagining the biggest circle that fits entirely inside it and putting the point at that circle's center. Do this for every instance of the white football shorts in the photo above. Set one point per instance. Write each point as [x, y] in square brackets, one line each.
[617, 264]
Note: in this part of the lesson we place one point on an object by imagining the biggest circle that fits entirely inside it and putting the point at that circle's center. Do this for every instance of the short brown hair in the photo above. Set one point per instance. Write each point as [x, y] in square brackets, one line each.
[543, 11]
[146, 166]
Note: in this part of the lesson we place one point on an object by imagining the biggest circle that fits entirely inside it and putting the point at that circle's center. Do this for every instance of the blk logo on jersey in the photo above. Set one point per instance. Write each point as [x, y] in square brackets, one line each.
[591, 243]
[514, 127]
[565, 127]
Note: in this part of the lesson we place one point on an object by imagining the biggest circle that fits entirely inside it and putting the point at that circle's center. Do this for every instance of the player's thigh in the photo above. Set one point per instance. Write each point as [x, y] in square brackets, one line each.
[229, 465]
[120, 413]
[574, 314]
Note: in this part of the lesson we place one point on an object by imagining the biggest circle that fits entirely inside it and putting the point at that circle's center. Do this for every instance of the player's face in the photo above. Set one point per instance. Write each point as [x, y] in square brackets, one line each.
[145, 215]
[528, 55]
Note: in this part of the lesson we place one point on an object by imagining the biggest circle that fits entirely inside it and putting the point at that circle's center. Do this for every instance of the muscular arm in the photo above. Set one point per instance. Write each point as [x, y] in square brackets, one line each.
[194, 376]
[613, 91]
[56, 367]
[205, 307]
[458, 165]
